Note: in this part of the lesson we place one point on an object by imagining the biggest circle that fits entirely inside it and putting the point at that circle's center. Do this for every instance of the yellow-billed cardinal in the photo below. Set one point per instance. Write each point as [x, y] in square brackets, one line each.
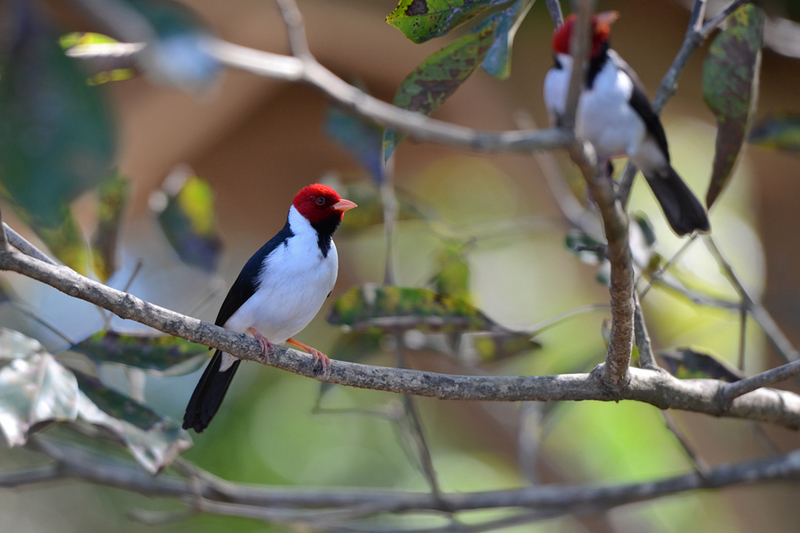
[277, 293]
[615, 115]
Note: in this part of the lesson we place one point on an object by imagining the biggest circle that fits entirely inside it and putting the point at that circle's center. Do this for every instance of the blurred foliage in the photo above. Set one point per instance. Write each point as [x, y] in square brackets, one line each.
[370, 207]
[730, 87]
[113, 196]
[781, 131]
[158, 354]
[689, 363]
[78, 40]
[452, 277]
[187, 215]
[359, 136]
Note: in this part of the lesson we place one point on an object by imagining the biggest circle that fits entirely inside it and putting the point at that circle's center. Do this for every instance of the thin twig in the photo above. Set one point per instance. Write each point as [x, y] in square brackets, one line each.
[671, 261]
[742, 336]
[561, 317]
[774, 375]
[295, 27]
[579, 50]
[642, 338]
[554, 7]
[700, 466]
[390, 213]
[20, 243]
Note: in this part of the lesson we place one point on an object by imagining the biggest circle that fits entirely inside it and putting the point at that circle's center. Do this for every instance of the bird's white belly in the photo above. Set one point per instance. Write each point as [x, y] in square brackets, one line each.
[293, 288]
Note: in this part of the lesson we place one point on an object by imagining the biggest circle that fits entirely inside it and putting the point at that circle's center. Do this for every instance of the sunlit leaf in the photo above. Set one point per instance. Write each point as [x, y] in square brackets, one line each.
[498, 59]
[106, 69]
[113, 196]
[403, 308]
[34, 391]
[158, 354]
[360, 137]
[154, 441]
[56, 136]
[452, 277]
[436, 78]
[15, 345]
[688, 363]
[187, 215]
[781, 131]
[421, 20]
[730, 88]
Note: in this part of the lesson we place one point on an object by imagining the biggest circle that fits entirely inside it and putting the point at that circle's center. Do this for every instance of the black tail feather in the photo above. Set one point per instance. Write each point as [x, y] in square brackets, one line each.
[683, 210]
[209, 393]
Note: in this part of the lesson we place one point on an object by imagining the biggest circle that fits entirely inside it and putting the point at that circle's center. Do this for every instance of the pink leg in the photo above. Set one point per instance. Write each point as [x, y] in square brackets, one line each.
[266, 346]
[318, 356]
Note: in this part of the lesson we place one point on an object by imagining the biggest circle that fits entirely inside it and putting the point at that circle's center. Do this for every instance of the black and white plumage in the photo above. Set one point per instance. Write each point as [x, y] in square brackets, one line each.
[616, 117]
[278, 292]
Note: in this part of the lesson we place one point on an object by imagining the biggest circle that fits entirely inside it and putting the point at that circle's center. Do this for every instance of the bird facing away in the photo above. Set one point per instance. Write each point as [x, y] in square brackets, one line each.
[279, 290]
[616, 117]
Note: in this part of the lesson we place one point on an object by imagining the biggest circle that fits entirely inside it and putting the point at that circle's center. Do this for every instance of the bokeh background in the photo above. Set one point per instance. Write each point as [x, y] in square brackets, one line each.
[258, 141]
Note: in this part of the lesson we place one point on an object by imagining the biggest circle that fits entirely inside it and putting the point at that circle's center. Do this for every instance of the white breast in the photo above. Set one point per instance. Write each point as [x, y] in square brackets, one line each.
[556, 84]
[605, 117]
[294, 282]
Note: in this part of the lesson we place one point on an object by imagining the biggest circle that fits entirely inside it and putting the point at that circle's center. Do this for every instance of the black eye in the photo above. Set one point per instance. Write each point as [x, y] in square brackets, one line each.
[320, 201]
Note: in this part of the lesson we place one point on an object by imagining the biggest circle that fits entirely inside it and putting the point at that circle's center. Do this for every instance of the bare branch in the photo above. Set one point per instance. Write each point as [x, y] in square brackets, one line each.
[20, 243]
[554, 6]
[579, 50]
[291, 502]
[416, 125]
[656, 388]
[642, 338]
[699, 463]
[775, 375]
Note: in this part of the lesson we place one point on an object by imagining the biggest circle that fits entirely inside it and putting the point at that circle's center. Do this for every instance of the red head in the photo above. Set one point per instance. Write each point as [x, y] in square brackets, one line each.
[601, 29]
[319, 202]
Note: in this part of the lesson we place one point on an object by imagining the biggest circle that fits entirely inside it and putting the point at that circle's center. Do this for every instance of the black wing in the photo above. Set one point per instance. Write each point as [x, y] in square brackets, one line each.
[245, 285]
[641, 104]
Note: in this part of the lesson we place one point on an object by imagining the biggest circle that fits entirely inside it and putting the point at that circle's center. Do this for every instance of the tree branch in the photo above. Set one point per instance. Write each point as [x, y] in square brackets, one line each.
[656, 388]
[78, 463]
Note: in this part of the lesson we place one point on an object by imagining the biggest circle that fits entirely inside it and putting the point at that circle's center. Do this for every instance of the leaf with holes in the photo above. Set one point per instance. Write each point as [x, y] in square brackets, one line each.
[498, 59]
[161, 355]
[402, 308]
[436, 78]
[113, 196]
[780, 131]
[187, 215]
[730, 88]
[421, 20]
[56, 137]
[154, 441]
[360, 137]
[688, 363]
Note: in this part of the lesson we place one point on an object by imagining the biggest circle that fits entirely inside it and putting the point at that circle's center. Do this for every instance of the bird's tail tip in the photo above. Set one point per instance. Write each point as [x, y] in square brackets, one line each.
[683, 210]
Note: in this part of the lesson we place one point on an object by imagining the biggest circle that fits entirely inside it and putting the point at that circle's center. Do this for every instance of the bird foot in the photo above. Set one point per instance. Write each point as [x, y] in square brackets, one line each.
[266, 346]
[316, 354]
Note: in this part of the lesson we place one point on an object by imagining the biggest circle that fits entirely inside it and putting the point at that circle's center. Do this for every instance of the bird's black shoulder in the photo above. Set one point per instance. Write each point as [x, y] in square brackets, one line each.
[245, 285]
[641, 104]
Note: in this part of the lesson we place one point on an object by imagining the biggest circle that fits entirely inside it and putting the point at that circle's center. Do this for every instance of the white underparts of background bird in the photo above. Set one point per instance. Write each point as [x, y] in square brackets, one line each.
[614, 114]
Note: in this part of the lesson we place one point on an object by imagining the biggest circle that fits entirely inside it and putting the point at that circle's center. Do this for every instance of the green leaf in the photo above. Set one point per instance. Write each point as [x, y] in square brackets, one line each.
[56, 136]
[162, 355]
[35, 390]
[781, 131]
[154, 441]
[436, 78]
[453, 276]
[730, 88]
[689, 363]
[360, 137]
[402, 308]
[498, 59]
[421, 20]
[187, 215]
[113, 196]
